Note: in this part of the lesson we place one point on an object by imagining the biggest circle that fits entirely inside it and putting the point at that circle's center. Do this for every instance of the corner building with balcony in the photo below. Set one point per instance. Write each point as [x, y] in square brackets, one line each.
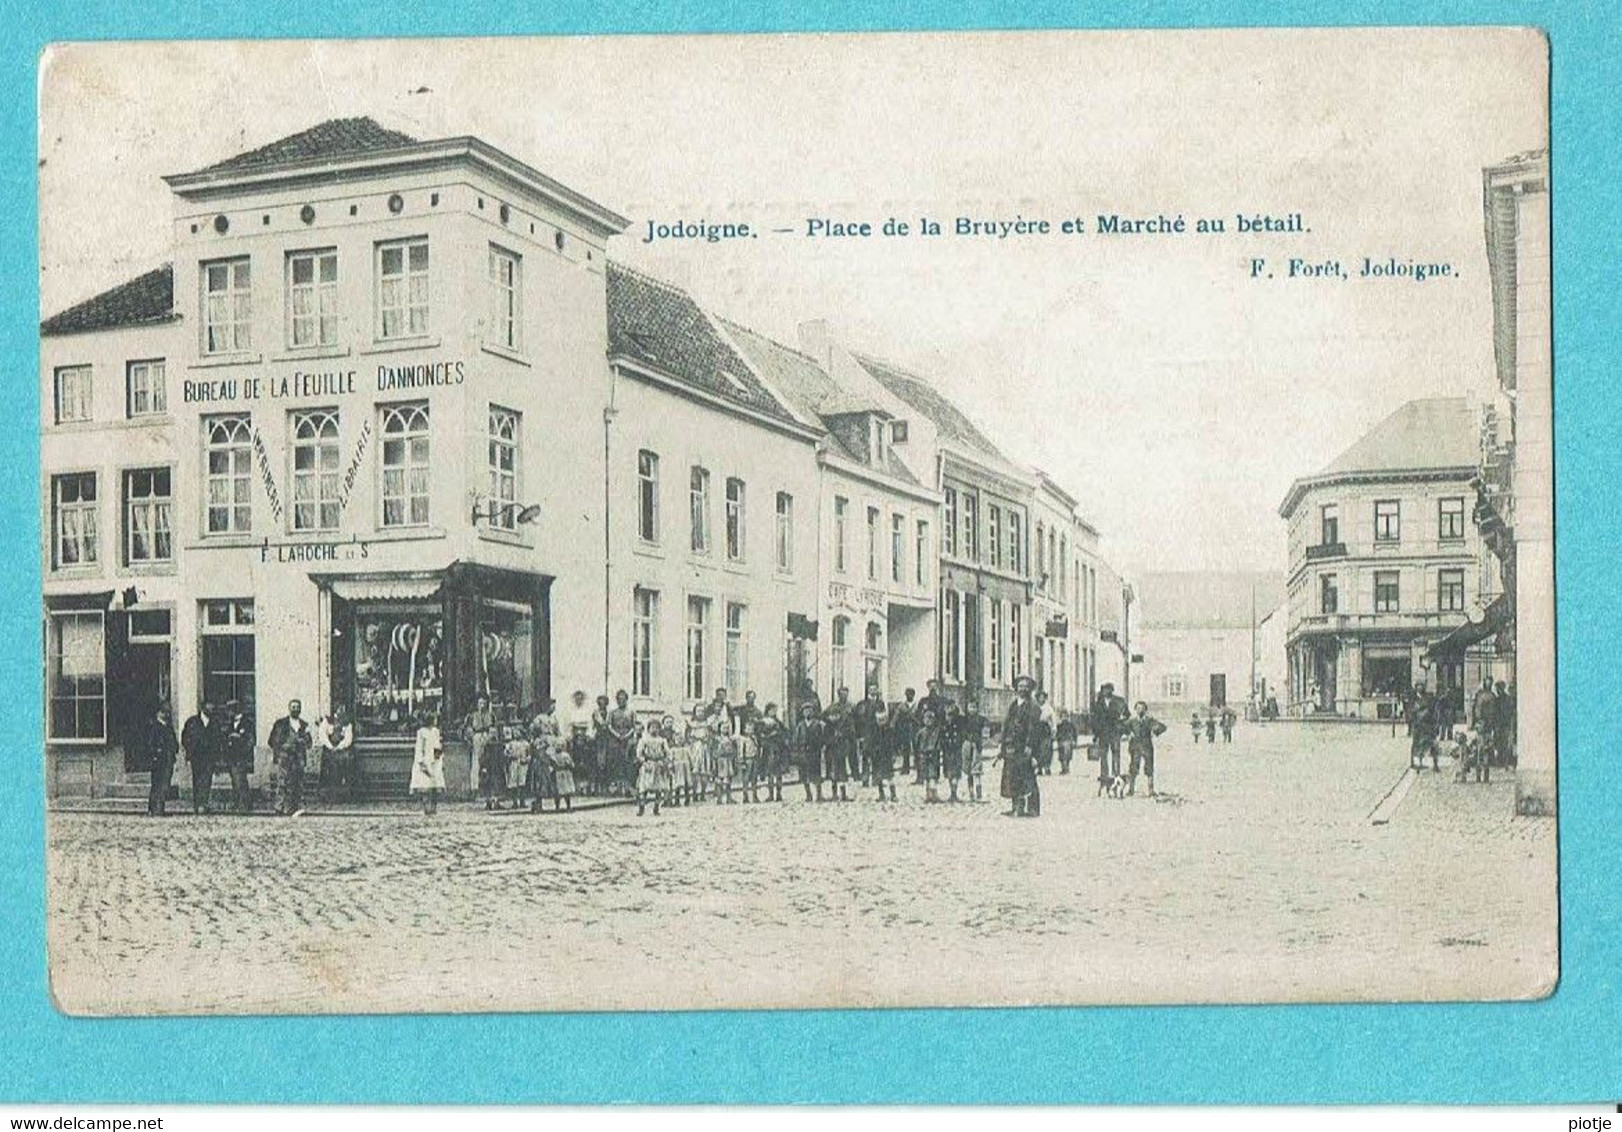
[335, 452]
[1384, 563]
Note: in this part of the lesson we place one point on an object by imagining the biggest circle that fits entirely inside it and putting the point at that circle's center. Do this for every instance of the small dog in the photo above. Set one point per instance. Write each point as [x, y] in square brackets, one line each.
[1112, 787]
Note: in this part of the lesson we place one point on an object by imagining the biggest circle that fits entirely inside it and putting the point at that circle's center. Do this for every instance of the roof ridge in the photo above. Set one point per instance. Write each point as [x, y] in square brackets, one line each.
[733, 324]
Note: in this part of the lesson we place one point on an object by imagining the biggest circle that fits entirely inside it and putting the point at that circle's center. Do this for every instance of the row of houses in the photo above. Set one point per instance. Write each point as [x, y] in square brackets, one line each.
[393, 432]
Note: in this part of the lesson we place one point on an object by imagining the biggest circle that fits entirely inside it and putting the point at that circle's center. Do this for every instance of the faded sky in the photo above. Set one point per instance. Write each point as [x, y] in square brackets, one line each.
[1175, 397]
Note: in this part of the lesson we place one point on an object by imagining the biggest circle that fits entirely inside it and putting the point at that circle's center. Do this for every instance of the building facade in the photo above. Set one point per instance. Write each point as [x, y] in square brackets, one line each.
[712, 510]
[342, 492]
[392, 434]
[1515, 490]
[984, 619]
[875, 550]
[1200, 634]
[1385, 563]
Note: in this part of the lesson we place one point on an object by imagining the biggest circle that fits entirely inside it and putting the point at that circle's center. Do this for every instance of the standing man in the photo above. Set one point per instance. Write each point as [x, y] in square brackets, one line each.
[841, 743]
[1020, 734]
[903, 726]
[747, 714]
[202, 739]
[238, 748]
[335, 741]
[290, 742]
[936, 702]
[1109, 718]
[1504, 716]
[161, 749]
[1484, 720]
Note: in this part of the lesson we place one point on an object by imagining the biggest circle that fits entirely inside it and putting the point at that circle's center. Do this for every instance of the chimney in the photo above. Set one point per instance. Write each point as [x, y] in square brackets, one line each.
[817, 341]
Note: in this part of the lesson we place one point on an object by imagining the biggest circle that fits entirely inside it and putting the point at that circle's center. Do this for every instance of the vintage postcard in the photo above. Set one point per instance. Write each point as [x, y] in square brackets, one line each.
[797, 521]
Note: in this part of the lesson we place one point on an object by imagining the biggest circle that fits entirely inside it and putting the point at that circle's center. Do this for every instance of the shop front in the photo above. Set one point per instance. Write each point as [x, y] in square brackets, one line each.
[407, 647]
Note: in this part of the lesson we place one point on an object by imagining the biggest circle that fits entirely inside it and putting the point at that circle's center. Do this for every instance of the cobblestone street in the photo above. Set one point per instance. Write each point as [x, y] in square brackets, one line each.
[1256, 876]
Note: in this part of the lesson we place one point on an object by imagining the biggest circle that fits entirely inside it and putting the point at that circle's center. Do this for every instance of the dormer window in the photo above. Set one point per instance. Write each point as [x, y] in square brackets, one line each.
[898, 432]
[878, 431]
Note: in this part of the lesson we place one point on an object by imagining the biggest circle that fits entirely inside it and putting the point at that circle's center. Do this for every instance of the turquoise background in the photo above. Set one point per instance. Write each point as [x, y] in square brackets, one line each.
[1565, 1049]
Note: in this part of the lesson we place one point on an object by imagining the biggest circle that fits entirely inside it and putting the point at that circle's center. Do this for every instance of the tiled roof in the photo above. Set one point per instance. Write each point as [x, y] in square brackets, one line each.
[1434, 432]
[337, 137]
[809, 388]
[143, 301]
[795, 375]
[660, 326]
[1202, 599]
[949, 421]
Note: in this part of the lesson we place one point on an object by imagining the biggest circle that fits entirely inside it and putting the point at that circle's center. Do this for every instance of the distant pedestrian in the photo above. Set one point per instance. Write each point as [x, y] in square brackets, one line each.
[545, 742]
[1484, 720]
[428, 764]
[619, 770]
[563, 784]
[903, 728]
[810, 742]
[484, 749]
[203, 740]
[1109, 718]
[724, 767]
[841, 743]
[518, 754]
[872, 724]
[1020, 733]
[238, 751]
[746, 752]
[930, 739]
[161, 747]
[1229, 718]
[335, 746]
[290, 742]
[1047, 722]
[974, 727]
[1505, 694]
[772, 736]
[1196, 727]
[1211, 726]
[1424, 731]
[1064, 738]
[652, 758]
[936, 701]
[1142, 729]
[595, 771]
[954, 732]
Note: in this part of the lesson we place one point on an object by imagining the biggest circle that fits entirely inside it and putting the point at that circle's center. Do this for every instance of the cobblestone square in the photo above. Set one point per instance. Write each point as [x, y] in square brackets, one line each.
[1256, 876]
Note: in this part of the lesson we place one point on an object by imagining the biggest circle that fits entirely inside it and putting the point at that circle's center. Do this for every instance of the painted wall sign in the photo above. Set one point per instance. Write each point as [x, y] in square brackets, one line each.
[350, 550]
[302, 384]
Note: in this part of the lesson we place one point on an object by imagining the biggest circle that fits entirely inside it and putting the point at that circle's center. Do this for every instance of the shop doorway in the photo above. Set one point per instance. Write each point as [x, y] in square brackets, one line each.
[1219, 689]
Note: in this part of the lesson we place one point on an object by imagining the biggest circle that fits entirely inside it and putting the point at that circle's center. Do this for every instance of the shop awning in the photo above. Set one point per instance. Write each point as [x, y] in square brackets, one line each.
[1472, 632]
[382, 587]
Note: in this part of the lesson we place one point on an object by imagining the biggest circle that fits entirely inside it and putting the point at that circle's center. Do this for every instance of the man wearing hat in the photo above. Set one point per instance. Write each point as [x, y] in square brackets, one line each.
[237, 747]
[202, 738]
[1020, 735]
[934, 702]
[159, 739]
[1109, 720]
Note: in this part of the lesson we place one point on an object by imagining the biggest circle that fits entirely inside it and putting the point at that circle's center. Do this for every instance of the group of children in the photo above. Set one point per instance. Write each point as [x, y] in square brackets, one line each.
[1224, 719]
[517, 762]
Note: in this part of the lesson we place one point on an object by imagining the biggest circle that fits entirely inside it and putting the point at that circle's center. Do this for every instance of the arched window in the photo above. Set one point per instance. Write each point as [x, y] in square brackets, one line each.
[405, 465]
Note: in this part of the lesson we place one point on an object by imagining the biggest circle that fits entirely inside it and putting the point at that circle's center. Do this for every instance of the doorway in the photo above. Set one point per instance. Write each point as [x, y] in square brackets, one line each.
[1219, 689]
